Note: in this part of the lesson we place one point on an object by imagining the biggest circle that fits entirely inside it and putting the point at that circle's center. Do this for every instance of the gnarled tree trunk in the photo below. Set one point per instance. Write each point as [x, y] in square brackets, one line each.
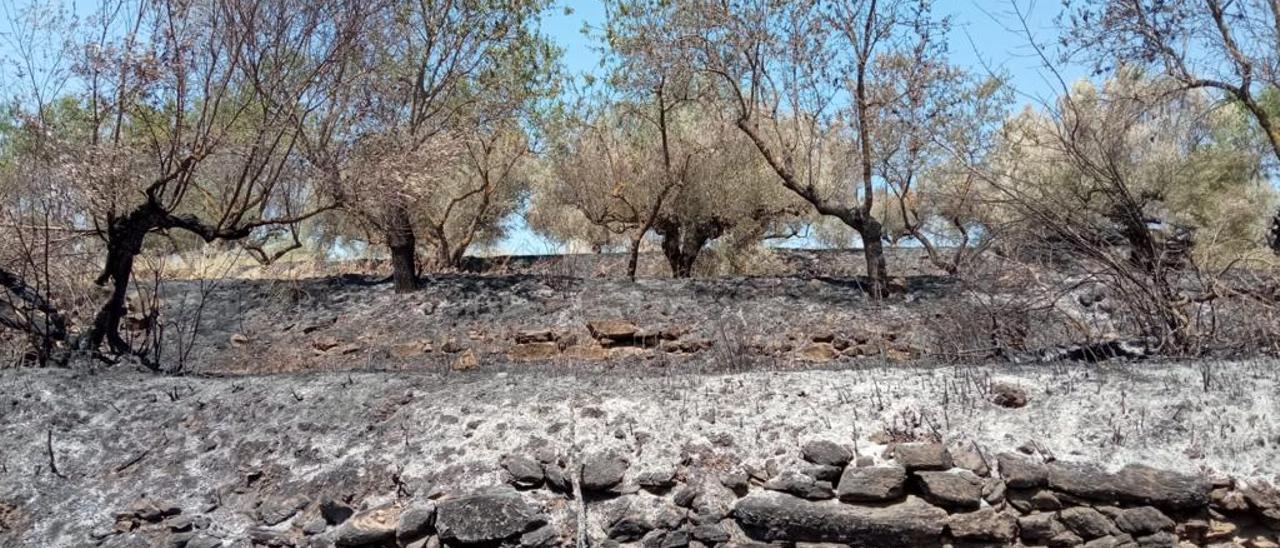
[404, 248]
[873, 252]
[683, 244]
[125, 236]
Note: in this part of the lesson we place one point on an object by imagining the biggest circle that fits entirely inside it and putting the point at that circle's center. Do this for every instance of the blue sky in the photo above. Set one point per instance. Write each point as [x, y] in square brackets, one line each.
[986, 34]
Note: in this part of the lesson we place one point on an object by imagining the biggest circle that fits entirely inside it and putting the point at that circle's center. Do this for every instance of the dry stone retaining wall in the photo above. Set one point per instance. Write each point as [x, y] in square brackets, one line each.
[917, 494]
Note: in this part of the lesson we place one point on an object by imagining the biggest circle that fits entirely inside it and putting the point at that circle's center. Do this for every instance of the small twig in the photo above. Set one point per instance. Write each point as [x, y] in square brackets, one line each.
[581, 507]
[48, 444]
[133, 461]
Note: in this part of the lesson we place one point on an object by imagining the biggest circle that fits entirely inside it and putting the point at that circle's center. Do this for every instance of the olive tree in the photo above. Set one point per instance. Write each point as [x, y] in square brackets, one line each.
[193, 109]
[436, 87]
[819, 87]
[611, 171]
[1137, 185]
[1228, 47]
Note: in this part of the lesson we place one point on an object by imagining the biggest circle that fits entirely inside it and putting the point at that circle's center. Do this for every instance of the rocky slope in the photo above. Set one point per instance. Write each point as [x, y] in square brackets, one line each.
[655, 456]
[250, 327]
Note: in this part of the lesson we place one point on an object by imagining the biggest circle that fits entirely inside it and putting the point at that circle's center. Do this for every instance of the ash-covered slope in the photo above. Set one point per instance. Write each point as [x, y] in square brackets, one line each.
[145, 460]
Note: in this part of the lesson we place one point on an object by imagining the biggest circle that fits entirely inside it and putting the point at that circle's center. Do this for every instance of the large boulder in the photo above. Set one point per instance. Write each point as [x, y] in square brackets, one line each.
[486, 516]
[871, 483]
[774, 516]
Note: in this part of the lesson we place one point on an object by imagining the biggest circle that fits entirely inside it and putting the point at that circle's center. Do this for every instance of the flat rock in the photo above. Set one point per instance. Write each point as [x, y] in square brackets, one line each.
[466, 361]
[818, 352]
[637, 515]
[369, 527]
[1158, 540]
[801, 486]
[826, 452]
[1087, 522]
[1143, 520]
[710, 533]
[961, 491]
[204, 541]
[1111, 541]
[871, 483]
[711, 501]
[824, 472]
[529, 336]
[612, 329]
[1133, 484]
[534, 351]
[272, 512]
[416, 521]
[1139, 484]
[774, 516]
[603, 471]
[525, 472]
[1040, 528]
[984, 525]
[542, 537]
[1020, 472]
[922, 456]
[1086, 481]
[655, 480]
[153, 510]
[486, 516]
[969, 457]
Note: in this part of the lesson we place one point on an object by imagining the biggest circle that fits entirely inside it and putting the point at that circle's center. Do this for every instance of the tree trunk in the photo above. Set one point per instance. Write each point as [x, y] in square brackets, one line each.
[1274, 240]
[25, 309]
[444, 259]
[681, 261]
[124, 242]
[682, 245]
[678, 258]
[873, 251]
[633, 256]
[404, 247]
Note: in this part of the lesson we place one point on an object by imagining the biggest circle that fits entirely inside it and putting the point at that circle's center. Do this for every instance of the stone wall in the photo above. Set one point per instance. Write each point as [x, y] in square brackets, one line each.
[914, 494]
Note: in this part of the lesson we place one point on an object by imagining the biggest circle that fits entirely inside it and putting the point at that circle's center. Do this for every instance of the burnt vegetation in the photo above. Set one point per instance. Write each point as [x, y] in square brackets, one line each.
[1131, 213]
